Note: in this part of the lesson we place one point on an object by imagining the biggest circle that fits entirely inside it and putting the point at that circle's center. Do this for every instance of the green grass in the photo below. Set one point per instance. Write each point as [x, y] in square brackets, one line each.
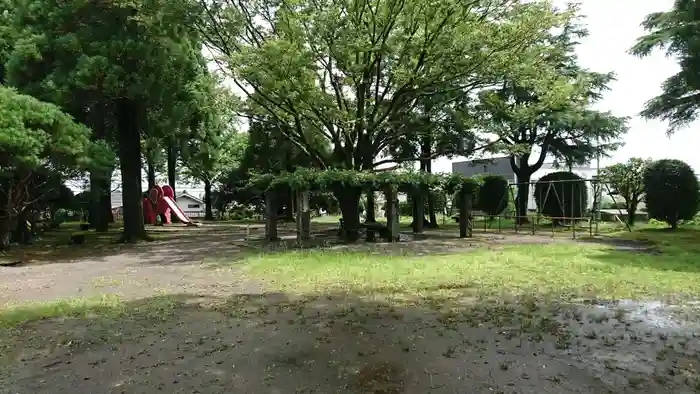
[558, 270]
[555, 271]
[104, 307]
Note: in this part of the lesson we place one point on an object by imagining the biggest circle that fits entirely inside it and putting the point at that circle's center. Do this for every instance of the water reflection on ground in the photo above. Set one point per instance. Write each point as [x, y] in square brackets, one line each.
[655, 314]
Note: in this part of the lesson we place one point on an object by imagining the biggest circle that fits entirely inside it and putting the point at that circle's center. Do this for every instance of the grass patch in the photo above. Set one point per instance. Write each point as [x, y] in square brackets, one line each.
[559, 270]
[105, 306]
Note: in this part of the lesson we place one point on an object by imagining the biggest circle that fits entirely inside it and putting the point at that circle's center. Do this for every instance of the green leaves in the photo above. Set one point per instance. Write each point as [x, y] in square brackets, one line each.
[344, 71]
[34, 134]
[678, 33]
[627, 179]
[305, 179]
[546, 104]
[215, 147]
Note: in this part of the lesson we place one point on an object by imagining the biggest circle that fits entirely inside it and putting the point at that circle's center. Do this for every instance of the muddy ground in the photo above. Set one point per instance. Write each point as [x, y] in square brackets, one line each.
[191, 328]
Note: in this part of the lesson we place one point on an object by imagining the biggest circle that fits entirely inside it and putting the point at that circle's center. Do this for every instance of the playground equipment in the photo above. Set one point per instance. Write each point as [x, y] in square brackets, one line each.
[161, 201]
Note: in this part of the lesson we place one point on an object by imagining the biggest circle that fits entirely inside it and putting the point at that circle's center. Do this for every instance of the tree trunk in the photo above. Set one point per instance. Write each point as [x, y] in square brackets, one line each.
[5, 230]
[271, 215]
[370, 215]
[418, 211]
[151, 173]
[208, 213]
[465, 212]
[20, 233]
[129, 150]
[349, 201]
[172, 174]
[172, 165]
[99, 218]
[523, 198]
[106, 203]
[432, 222]
[291, 203]
[427, 166]
[631, 213]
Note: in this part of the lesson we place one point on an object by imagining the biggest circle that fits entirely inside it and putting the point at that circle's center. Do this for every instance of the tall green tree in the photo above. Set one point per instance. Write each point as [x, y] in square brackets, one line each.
[627, 181]
[215, 147]
[113, 57]
[37, 142]
[676, 31]
[545, 112]
[344, 71]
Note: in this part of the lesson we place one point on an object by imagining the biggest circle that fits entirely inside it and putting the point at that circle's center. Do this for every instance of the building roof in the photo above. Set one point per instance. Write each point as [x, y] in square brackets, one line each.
[188, 195]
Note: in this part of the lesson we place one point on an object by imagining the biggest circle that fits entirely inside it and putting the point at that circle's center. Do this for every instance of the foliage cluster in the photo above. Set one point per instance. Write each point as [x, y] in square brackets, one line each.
[493, 195]
[627, 181]
[561, 194]
[672, 193]
[305, 179]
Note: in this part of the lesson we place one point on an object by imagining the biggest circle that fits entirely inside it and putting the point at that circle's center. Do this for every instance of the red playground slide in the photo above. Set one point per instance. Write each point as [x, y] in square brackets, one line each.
[162, 202]
[176, 210]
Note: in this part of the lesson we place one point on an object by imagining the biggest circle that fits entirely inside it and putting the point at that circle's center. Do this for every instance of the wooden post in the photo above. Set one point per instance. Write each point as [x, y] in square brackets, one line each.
[392, 210]
[270, 217]
[419, 201]
[465, 213]
[303, 216]
[370, 216]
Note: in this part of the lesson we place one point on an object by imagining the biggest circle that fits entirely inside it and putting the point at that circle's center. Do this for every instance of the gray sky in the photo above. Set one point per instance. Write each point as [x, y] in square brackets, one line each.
[614, 26]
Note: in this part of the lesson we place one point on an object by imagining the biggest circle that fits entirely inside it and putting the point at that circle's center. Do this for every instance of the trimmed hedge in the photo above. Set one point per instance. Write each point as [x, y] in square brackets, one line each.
[566, 196]
[671, 191]
[493, 195]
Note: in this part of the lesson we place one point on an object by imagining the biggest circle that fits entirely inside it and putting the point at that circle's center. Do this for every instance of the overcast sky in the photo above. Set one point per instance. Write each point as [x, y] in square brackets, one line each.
[614, 25]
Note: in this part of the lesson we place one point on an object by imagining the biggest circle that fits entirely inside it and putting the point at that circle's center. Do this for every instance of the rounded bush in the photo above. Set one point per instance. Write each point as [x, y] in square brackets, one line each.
[493, 195]
[671, 191]
[561, 195]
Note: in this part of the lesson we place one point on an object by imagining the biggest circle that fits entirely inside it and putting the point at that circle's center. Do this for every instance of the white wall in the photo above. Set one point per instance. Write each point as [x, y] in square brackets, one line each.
[191, 207]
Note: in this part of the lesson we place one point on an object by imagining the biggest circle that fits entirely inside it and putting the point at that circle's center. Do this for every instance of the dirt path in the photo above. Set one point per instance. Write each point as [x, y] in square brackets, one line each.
[216, 332]
[133, 272]
[274, 344]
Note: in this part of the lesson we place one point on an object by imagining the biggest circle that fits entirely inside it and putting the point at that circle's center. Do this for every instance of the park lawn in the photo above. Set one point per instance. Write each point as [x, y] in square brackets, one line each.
[553, 271]
[548, 272]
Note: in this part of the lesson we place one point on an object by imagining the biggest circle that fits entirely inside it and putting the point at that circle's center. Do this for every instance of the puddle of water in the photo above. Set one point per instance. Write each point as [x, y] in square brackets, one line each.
[654, 314]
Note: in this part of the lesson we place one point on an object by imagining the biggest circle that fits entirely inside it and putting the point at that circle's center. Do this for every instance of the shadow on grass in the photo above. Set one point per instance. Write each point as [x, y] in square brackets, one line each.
[56, 246]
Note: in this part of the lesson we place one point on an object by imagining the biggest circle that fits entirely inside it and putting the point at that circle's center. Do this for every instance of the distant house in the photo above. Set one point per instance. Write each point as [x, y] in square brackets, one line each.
[191, 205]
[501, 166]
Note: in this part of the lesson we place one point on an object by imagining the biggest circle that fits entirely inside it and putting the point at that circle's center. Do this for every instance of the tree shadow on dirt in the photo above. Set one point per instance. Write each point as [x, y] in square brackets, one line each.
[284, 343]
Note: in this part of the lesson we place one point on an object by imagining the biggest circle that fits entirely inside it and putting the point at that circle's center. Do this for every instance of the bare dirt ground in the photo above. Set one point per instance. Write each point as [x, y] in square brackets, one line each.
[192, 329]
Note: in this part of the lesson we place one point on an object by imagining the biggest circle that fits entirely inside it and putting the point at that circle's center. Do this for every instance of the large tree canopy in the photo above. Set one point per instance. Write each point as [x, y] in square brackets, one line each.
[215, 147]
[345, 69]
[678, 33]
[114, 59]
[346, 72]
[546, 112]
[37, 142]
